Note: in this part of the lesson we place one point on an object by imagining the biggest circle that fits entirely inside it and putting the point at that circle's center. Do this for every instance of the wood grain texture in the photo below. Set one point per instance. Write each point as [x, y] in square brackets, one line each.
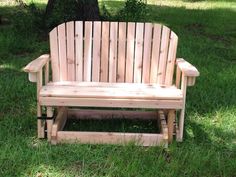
[113, 52]
[54, 55]
[121, 52]
[70, 44]
[138, 59]
[129, 69]
[79, 50]
[147, 53]
[155, 53]
[62, 52]
[96, 51]
[87, 51]
[104, 52]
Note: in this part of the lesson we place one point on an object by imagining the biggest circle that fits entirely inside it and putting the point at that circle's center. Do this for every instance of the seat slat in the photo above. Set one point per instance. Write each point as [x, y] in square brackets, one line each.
[62, 51]
[163, 55]
[147, 53]
[138, 53]
[70, 51]
[155, 53]
[121, 52]
[104, 52]
[88, 51]
[79, 50]
[96, 51]
[113, 52]
[54, 55]
[129, 70]
[171, 58]
[134, 91]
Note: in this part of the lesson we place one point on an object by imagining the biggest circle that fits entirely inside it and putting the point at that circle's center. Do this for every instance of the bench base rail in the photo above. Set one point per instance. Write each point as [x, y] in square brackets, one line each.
[143, 139]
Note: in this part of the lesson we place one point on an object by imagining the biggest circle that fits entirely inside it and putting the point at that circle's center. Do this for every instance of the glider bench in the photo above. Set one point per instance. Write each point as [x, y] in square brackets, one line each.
[111, 65]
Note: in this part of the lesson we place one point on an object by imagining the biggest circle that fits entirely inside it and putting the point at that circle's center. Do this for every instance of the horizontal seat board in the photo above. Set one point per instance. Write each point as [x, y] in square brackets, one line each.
[108, 102]
[114, 90]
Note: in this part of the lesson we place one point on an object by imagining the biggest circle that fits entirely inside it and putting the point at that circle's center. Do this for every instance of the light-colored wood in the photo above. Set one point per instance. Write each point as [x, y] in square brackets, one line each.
[111, 114]
[96, 51]
[188, 69]
[79, 50]
[46, 73]
[32, 77]
[59, 123]
[37, 64]
[105, 102]
[171, 58]
[121, 52]
[155, 53]
[135, 91]
[138, 62]
[70, 44]
[170, 120]
[40, 123]
[144, 139]
[88, 51]
[163, 55]
[62, 51]
[163, 126]
[178, 77]
[182, 112]
[54, 55]
[191, 81]
[113, 52]
[129, 69]
[104, 52]
[147, 53]
[49, 123]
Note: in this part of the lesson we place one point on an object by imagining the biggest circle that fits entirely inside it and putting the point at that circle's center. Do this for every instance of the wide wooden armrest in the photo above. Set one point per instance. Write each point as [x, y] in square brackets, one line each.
[186, 68]
[37, 64]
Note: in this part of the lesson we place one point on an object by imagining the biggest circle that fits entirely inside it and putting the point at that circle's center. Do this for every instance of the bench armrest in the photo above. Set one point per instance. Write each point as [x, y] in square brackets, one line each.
[186, 68]
[37, 64]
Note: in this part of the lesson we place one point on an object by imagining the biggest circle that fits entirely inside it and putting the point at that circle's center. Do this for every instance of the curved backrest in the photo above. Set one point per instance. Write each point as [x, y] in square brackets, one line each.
[113, 52]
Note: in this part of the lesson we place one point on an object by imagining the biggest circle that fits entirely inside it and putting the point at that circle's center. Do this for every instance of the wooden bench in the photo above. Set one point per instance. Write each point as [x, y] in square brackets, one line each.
[111, 64]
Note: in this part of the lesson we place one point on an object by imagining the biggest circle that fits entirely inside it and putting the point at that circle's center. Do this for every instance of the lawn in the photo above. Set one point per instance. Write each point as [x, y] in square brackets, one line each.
[207, 39]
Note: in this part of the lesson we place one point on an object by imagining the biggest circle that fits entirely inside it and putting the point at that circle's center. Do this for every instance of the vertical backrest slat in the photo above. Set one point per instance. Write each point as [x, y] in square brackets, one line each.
[87, 51]
[147, 53]
[54, 55]
[96, 51]
[62, 51]
[79, 50]
[70, 33]
[171, 58]
[163, 55]
[113, 51]
[138, 53]
[129, 69]
[104, 52]
[155, 53]
[121, 52]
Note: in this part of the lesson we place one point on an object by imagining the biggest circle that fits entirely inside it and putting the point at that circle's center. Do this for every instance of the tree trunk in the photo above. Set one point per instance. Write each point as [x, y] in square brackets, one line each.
[89, 9]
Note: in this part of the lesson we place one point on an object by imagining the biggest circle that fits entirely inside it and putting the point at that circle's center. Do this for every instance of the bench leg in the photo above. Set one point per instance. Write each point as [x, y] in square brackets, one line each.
[40, 123]
[170, 122]
[179, 135]
[49, 123]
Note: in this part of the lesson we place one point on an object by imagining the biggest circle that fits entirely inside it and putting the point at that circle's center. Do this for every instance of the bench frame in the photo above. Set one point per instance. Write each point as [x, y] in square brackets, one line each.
[185, 76]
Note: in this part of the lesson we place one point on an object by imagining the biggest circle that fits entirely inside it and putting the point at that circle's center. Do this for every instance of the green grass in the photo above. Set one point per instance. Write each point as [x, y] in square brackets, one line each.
[207, 38]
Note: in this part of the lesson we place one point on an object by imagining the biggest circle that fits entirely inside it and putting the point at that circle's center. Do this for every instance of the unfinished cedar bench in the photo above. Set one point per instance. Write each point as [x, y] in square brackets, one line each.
[111, 64]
